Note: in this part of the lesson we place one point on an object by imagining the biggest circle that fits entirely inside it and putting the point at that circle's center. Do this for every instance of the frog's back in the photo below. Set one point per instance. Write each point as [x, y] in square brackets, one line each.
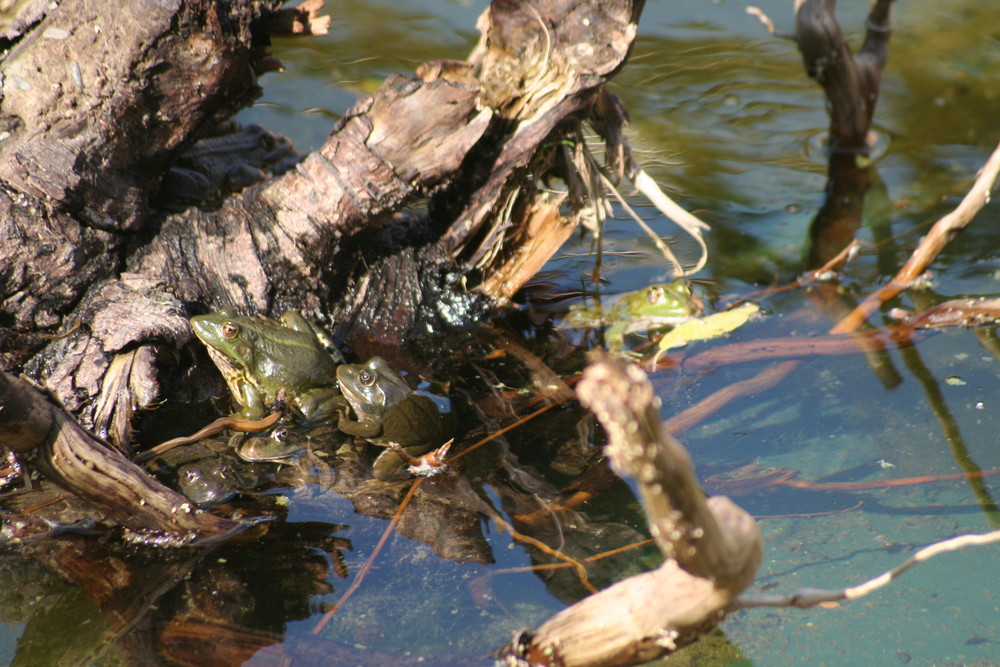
[291, 357]
[416, 420]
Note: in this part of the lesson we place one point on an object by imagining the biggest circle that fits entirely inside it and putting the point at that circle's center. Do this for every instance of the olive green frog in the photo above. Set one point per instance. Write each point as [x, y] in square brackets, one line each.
[389, 411]
[655, 307]
[281, 444]
[258, 357]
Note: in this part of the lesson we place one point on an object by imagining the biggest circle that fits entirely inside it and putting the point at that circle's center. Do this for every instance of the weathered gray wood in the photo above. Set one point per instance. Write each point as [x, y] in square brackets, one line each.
[713, 547]
[94, 111]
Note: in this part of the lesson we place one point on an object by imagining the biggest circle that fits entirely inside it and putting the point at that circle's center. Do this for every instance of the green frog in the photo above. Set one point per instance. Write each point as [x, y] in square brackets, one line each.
[208, 482]
[389, 411]
[258, 357]
[655, 307]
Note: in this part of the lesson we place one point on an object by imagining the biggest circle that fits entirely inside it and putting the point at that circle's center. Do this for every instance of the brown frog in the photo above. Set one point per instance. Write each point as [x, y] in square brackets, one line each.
[389, 411]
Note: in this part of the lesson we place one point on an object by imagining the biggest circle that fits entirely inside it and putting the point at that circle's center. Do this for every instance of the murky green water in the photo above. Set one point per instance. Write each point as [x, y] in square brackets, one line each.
[726, 118]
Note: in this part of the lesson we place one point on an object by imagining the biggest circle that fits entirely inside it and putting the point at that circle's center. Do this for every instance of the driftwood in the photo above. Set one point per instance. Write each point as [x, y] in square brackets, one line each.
[315, 238]
[713, 547]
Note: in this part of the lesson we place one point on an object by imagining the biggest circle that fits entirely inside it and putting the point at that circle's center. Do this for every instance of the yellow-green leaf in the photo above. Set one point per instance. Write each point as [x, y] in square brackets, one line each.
[705, 328]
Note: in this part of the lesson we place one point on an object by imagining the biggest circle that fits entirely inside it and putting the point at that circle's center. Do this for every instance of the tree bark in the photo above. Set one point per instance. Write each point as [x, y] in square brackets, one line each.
[95, 112]
[317, 238]
[52, 443]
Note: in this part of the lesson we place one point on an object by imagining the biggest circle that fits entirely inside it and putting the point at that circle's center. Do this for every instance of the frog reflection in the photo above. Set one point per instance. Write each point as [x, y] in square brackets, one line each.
[280, 445]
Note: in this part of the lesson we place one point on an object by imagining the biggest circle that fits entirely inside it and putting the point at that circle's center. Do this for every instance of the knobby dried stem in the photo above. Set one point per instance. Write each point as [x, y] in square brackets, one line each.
[713, 546]
[682, 523]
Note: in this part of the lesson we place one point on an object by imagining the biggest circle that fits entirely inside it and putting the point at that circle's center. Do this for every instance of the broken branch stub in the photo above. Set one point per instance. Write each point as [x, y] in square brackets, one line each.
[713, 546]
[706, 538]
[851, 82]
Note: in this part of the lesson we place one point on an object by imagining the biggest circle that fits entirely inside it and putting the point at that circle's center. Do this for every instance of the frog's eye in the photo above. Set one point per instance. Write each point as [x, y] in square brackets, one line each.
[367, 377]
[654, 294]
[229, 330]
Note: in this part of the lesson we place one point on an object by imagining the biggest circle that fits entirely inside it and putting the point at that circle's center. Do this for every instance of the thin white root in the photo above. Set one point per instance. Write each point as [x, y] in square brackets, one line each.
[759, 13]
[663, 247]
[668, 207]
[810, 597]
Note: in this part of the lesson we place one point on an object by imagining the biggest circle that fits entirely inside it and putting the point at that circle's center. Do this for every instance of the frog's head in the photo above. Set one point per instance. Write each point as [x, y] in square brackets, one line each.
[372, 387]
[665, 300]
[225, 334]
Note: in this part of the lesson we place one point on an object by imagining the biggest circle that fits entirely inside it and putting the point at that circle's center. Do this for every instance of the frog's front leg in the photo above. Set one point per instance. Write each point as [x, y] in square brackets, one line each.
[365, 428]
[253, 403]
[321, 404]
[614, 336]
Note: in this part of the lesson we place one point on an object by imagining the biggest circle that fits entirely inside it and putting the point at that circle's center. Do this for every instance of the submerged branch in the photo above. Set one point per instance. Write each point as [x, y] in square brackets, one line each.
[44, 435]
[942, 232]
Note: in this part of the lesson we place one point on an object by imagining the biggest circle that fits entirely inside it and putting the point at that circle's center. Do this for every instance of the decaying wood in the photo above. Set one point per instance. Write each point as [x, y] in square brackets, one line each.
[94, 112]
[50, 440]
[713, 547]
[322, 237]
[97, 95]
[851, 81]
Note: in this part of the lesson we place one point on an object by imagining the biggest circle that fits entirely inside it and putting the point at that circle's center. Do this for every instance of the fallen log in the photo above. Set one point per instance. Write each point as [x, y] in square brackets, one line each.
[100, 280]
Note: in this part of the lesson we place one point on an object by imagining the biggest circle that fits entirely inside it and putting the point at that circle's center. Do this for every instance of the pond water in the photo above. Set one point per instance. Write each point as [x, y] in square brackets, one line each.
[725, 118]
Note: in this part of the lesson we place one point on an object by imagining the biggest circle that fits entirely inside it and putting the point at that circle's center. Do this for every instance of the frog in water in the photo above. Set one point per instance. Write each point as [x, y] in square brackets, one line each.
[259, 357]
[389, 411]
[208, 482]
[655, 307]
[281, 444]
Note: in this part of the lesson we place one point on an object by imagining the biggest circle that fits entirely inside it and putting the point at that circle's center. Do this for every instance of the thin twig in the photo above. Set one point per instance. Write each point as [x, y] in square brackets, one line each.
[363, 572]
[942, 232]
[939, 235]
[810, 597]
